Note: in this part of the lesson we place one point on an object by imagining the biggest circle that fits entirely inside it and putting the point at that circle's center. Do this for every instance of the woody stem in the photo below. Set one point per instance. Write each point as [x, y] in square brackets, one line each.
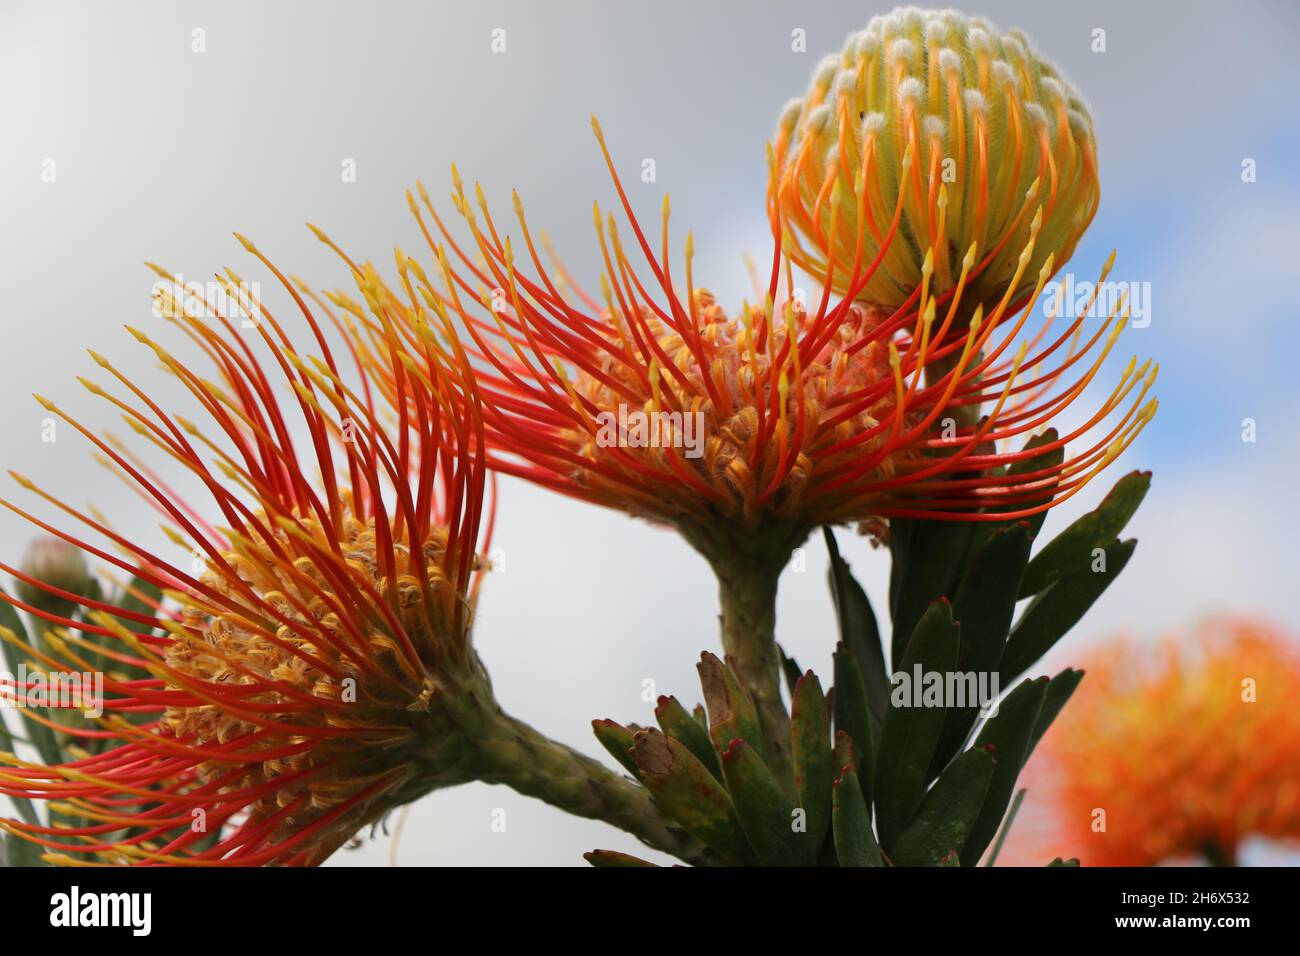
[513, 753]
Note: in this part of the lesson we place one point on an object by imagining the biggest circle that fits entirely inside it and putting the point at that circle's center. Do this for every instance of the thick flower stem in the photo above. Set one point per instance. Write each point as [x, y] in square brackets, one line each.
[747, 597]
[747, 563]
[513, 753]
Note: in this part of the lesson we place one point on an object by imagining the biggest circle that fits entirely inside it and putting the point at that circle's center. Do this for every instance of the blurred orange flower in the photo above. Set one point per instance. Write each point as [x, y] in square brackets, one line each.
[1181, 753]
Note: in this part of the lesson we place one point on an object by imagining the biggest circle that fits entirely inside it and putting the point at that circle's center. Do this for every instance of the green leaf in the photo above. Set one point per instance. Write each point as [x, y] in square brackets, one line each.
[1071, 551]
[928, 558]
[128, 601]
[612, 858]
[1053, 612]
[681, 726]
[1059, 691]
[687, 793]
[1047, 461]
[766, 814]
[810, 747]
[789, 670]
[849, 703]
[984, 606]
[855, 843]
[910, 734]
[1008, 734]
[616, 739]
[731, 710]
[843, 756]
[18, 852]
[948, 812]
[23, 804]
[858, 629]
[1007, 822]
[41, 736]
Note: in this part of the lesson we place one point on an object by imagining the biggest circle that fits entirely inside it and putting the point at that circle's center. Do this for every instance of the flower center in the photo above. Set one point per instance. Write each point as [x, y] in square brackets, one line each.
[740, 424]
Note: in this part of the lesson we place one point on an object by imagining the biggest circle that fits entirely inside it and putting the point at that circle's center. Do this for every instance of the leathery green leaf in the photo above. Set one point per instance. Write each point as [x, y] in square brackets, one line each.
[687, 793]
[928, 558]
[858, 630]
[1047, 618]
[681, 726]
[1008, 733]
[849, 705]
[731, 710]
[41, 736]
[984, 607]
[855, 843]
[766, 814]
[1059, 691]
[1071, 551]
[1032, 475]
[911, 734]
[948, 812]
[613, 858]
[810, 747]
[616, 739]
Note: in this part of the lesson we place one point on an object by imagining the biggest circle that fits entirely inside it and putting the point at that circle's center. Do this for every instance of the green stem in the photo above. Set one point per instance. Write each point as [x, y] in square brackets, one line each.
[513, 753]
[748, 563]
[747, 598]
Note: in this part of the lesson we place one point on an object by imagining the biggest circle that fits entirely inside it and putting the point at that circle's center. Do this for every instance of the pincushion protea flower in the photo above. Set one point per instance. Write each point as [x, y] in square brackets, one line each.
[1188, 749]
[839, 412]
[932, 134]
[314, 668]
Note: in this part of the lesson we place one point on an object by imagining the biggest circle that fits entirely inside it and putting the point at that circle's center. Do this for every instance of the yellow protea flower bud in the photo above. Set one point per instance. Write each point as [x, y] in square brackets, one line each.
[934, 140]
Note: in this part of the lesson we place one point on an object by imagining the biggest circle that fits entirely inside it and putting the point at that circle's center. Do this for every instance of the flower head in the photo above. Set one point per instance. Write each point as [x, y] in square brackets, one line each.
[772, 418]
[932, 134]
[307, 665]
[1181, 753]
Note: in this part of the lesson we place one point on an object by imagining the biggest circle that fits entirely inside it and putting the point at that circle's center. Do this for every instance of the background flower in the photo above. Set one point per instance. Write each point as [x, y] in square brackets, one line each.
[1179, 753]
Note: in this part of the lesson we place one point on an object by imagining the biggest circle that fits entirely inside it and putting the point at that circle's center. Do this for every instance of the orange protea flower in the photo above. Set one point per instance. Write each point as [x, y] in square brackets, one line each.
[932, 134]
[312, 668]
[1181, 752]
[662, 404]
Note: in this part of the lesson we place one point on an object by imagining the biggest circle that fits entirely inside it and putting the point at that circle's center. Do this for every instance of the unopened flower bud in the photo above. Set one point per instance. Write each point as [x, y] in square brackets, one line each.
[59, 566]
[947, 135]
